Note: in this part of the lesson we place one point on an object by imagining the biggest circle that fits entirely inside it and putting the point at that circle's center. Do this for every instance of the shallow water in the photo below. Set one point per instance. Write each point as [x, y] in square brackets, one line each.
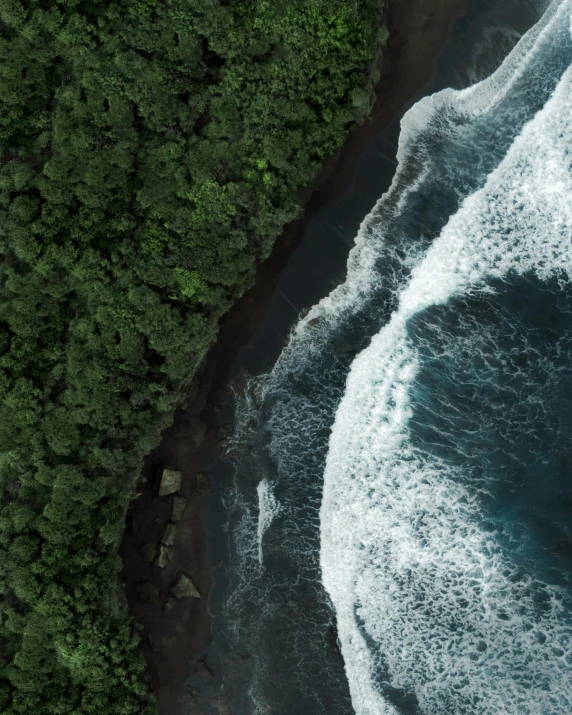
[400, 494]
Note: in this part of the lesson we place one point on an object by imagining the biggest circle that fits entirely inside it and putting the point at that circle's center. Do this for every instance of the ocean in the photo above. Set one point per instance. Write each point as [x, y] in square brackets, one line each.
[398, 488]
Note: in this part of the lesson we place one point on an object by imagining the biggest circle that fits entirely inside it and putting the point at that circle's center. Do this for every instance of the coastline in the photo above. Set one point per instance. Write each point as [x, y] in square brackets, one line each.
[174, 641]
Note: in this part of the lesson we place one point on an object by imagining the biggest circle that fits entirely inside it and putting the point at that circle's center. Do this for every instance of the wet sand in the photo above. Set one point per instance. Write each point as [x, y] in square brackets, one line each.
[175, 641]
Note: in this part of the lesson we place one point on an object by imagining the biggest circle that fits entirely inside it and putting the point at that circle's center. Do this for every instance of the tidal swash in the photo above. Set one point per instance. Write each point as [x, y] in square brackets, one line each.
[401, 517]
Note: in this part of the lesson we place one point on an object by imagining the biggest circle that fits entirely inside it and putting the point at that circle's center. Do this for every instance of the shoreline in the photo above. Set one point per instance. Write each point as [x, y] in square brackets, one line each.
[174, 641]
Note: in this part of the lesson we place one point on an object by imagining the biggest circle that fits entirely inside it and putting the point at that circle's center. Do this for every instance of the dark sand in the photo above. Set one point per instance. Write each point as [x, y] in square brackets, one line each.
[173, 641]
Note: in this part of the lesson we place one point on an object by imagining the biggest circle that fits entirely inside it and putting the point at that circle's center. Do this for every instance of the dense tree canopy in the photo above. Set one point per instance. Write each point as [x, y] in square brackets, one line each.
[152, 150]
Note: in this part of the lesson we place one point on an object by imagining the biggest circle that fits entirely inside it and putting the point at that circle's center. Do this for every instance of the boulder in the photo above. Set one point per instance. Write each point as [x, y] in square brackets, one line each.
[164, 556]
[220, 705]
[203, 484]
[169, 535]
[170, 482]
[179, 504]
[170, 603]
[202, 670]
[150, 550]
[190, 704]
[147, 592]
[185, 588]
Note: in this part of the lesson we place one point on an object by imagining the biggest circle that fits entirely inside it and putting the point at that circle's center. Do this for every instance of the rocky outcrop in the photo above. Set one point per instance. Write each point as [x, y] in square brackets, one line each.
[150, 550]
[170, 482]
[185, 588]
[202, 670]
[169, 535]
[170, 603]
[164, 556]
[191, 705]
[179, 504]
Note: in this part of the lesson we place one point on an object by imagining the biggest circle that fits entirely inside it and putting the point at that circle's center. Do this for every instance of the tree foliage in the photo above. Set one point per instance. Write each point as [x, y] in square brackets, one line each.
[152, 150]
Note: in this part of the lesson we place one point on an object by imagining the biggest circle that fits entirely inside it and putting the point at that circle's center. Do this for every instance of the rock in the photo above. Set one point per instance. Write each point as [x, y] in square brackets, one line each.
[191, 705]
[170, 482]
[185, 588]
[150, 550]
[164, 556]
[170, 603]
[179, 504]
[203, 484]
[168, 537]
[147, 592]
[202, 670]
[220, 705]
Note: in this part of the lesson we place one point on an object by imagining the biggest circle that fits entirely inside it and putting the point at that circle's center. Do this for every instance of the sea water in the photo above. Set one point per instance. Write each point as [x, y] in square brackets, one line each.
[401, 517]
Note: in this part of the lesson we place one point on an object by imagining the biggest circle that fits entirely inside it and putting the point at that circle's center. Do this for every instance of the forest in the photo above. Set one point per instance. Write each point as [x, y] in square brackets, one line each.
[152, 151]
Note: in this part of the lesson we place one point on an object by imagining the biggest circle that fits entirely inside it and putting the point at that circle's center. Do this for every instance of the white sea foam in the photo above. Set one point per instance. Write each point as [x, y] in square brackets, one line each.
[268, 508]
[291, 409]
[442, 114]
[421, 591]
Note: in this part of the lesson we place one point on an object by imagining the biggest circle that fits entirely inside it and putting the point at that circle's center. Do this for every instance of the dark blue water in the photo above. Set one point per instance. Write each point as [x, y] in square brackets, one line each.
[489, 404]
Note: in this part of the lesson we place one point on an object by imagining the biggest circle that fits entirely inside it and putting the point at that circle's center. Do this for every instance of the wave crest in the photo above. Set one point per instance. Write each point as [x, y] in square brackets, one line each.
[428, 604]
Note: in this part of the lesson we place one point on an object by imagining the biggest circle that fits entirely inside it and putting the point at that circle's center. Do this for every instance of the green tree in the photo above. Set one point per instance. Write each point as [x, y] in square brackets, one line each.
[152, 151]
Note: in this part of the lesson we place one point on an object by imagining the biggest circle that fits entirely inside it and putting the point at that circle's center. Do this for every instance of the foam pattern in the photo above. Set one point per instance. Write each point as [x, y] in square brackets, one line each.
[430, 605]
[281, 615]
[268, 508]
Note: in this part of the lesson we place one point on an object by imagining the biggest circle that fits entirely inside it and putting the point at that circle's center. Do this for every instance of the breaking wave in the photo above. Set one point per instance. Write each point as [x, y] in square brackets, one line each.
[420, 534]
[442, 599]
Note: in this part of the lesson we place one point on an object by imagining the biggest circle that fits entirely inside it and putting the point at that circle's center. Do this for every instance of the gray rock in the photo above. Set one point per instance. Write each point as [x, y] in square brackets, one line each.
[191, 705]
[220, 705]
[168, 537]
[170, 603]
[179, 504]
[164, 556]
[150, 550]
[202, 670]
[184, 588]
[170, 482]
